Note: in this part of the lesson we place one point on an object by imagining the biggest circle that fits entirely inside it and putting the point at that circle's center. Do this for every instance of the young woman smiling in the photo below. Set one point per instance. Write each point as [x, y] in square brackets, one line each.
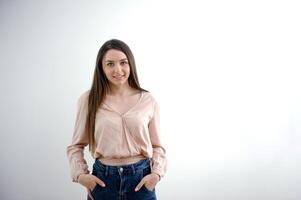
[119, 121]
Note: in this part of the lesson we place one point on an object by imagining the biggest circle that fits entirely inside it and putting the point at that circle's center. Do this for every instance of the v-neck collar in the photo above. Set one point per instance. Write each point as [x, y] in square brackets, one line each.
[131, 108]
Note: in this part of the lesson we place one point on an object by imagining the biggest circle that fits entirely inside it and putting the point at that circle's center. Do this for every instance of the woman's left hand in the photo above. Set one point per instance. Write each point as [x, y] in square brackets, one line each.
[149, 181]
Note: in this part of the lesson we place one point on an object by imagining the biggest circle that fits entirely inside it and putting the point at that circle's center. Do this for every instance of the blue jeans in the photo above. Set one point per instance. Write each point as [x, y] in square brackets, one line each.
[121, 181]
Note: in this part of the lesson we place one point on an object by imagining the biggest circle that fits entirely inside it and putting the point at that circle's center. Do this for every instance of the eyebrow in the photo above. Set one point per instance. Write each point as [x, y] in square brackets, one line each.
[123, 59]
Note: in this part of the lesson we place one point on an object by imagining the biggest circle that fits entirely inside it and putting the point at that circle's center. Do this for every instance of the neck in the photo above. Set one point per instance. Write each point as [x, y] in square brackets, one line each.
[120, 90]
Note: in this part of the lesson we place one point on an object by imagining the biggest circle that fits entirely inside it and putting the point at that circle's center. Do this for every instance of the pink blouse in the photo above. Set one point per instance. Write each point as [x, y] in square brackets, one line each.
[120, 138]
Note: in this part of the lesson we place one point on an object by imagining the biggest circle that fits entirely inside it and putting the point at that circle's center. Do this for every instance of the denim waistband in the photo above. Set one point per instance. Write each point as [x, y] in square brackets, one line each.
[125, 169]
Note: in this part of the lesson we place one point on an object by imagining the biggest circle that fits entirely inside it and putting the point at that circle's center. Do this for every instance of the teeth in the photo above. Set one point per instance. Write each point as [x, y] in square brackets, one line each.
[118, 77]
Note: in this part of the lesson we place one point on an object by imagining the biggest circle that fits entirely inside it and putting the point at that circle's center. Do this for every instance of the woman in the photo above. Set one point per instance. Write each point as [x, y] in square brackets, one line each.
[120, 122]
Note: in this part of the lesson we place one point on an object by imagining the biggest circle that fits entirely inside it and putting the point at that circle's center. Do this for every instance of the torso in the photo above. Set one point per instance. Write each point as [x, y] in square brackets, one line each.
[123, 104]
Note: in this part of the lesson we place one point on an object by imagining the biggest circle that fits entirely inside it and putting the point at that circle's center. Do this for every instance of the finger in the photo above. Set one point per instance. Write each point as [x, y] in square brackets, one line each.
[149, 186]
[90, 194]
[139, 185]
[100, 182]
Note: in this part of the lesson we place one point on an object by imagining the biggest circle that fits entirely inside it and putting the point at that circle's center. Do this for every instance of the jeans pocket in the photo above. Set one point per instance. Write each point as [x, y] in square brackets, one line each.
[95, 187]
[147, 190]
[100, 175]
[146, 171]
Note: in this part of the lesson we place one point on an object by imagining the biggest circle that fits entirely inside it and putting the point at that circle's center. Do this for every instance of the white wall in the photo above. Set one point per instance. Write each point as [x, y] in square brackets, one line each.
[226, 74]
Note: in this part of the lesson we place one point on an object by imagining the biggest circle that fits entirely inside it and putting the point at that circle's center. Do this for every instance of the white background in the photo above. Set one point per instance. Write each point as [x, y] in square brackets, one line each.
[226, 75]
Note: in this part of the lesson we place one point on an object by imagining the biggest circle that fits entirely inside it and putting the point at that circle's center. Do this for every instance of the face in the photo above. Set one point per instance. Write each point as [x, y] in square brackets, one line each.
[116, 67]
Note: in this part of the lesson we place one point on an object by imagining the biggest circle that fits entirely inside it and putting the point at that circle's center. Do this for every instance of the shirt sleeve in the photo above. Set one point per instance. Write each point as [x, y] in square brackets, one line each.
[80, 139]
[159, 157]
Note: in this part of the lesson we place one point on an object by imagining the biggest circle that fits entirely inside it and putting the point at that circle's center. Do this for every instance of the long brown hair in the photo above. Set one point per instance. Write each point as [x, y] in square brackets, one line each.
[100, 84]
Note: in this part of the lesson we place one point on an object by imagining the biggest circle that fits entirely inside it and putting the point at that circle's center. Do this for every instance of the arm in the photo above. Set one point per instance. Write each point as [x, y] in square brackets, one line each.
[159, 158]
[80, 139]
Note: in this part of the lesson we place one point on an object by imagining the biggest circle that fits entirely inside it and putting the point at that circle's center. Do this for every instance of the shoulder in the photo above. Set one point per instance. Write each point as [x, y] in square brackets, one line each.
[84, 97]
[149, 96]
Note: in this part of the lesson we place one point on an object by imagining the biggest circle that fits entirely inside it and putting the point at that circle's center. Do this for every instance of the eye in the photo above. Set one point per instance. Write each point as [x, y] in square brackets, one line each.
[110, 64]
[124, 63]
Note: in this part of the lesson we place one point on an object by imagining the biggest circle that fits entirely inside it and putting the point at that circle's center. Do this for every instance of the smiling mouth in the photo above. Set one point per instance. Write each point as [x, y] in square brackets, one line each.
[118, 77]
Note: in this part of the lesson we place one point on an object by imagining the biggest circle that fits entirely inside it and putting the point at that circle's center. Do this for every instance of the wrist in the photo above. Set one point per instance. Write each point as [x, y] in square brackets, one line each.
[157, 175]
[79, 177]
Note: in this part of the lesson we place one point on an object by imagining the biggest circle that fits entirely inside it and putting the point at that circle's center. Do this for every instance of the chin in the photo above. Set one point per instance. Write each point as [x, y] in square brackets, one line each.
[119, 82]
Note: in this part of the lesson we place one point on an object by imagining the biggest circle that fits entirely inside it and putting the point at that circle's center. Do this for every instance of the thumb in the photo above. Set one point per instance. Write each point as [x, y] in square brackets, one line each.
[100, 182]
[139, 185]
[90, 194]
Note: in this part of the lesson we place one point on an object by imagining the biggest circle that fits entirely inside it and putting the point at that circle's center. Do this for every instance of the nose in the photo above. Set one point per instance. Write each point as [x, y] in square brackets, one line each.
[117, 68]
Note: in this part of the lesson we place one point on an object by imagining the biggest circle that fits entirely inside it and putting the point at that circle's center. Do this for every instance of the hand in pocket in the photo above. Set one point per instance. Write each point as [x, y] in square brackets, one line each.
[90, 181]
[149, 181]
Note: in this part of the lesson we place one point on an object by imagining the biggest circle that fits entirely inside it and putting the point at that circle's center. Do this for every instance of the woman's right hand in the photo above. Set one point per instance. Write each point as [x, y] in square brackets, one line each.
[90, 181]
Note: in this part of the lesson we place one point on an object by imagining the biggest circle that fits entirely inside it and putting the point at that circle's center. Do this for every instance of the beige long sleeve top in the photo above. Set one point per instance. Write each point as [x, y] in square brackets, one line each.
[120, 138]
